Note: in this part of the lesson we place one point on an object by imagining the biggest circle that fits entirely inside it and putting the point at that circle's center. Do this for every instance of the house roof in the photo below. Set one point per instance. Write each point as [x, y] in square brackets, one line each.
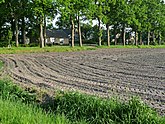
[67, 31]
[56, 34]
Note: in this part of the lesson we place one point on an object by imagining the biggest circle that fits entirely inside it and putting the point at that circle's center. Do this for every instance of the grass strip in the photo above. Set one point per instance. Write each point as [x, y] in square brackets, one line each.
[19, 50]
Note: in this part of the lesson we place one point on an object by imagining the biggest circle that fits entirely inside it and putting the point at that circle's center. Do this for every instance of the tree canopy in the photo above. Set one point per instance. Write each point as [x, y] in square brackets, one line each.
[145, 20]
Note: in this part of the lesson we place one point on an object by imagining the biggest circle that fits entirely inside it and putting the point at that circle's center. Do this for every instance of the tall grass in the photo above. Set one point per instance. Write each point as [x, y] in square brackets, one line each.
[18, 106]
[15, 112]
[11, 91]
[96, 110]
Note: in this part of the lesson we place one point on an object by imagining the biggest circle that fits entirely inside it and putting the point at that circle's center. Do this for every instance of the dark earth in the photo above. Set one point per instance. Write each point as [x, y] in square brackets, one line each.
[121, 73]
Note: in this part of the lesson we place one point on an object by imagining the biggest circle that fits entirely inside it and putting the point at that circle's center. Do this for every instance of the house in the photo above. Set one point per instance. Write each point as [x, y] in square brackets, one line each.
[57, 37]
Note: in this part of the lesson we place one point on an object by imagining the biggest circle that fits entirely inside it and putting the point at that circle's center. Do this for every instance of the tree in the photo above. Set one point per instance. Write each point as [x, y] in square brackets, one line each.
[98, 14]
[152, 17]
[15, 12]
[108, 16]
[139, 18]
[40, 8]
[67, 8]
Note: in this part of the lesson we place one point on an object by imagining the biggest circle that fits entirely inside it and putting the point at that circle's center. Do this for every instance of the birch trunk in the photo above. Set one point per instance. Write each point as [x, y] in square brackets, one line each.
[16, 32]
[154, 37]
[148, 41]
[141, 42]
[99, 31]
[44, 30]
[41, 35]
[72, 38]
[79, 31]
[136, 38]
[160, 38]
[108, 35]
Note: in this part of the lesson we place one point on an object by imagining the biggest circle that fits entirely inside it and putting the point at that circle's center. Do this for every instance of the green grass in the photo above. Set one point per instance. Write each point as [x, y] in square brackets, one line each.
[17, 50]
[96, 110]
[12, 92]
[21, 106]
[15, 112]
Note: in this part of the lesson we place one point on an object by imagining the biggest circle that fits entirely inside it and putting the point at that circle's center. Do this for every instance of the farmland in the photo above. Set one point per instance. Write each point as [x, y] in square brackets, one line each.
[121, 73]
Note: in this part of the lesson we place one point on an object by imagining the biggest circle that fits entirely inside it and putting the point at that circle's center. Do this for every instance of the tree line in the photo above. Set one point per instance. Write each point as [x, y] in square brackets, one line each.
[145, 19]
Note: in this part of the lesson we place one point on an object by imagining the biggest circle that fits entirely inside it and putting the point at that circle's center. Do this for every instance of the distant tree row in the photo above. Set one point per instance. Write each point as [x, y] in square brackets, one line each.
[144, 20]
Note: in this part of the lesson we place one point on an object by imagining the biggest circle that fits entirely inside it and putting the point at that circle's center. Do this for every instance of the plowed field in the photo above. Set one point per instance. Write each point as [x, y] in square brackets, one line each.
[119, 73]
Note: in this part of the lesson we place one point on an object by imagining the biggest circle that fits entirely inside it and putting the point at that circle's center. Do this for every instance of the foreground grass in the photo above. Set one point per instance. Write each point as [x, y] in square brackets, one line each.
[16, 112]
[21, 106]
[18, 106]
[17, 50]
[102, 111]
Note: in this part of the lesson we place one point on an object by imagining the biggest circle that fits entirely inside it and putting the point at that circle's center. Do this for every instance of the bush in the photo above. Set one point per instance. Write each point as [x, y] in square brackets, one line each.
[3, 43]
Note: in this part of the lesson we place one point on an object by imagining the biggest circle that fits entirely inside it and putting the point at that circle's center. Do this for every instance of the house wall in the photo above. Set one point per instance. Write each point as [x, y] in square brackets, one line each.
[62, 41]
[50, 40]
[66, 41]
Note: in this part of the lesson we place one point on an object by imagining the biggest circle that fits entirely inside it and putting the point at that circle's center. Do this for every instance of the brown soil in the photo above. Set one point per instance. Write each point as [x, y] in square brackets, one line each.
[119, 73]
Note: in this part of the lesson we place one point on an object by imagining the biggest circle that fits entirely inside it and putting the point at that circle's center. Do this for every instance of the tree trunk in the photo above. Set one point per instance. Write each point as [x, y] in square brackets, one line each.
[44, 30]
[136, 38]
[123, 32]
[79, 31]
[115, 42]
[160, 38]
[108, 35]
[41, 35]
[153, 36]
[99, 27]
[16, 32]
[72, 38]
[23, 31]
[148, 41]
[13, 29]
[141, 42]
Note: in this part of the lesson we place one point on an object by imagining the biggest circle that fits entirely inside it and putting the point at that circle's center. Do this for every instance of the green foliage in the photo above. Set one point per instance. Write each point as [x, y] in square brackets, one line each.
[139, 15]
